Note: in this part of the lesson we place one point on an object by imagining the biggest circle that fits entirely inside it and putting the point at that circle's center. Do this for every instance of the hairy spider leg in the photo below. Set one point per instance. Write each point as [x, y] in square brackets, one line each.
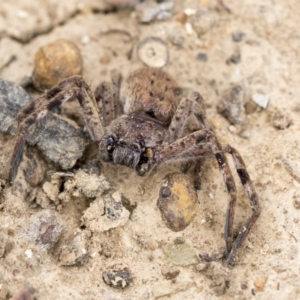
[203, 143]
[252, 195]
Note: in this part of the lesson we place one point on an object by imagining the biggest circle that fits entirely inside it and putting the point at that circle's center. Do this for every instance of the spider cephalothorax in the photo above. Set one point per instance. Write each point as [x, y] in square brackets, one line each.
[149, 130]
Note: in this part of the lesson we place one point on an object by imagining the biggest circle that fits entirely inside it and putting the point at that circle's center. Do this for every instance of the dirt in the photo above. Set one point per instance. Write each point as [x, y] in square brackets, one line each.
[51, 246]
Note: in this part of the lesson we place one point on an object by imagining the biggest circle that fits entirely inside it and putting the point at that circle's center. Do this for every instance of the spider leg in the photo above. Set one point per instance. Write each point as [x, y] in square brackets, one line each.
[69, 88]
[251, 193]
[107, 95]
[217, 149]
[194, 146]
[196, 106]
[104, 97]
[205, 142]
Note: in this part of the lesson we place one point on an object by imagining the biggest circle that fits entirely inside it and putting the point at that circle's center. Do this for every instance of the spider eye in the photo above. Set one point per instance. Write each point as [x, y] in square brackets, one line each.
[110, 146]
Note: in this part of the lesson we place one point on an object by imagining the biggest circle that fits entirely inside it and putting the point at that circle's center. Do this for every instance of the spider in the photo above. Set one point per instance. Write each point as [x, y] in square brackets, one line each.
[150, 131]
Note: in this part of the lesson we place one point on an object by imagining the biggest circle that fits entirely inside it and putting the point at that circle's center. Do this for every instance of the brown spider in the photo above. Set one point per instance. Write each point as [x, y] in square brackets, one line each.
[149, 132]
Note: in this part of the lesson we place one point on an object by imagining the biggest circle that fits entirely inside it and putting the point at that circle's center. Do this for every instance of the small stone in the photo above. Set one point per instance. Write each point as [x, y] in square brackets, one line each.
[177, 201]
[244, 286]
[176, 38]
[153, 52]
[202, 21]
[231, 105]
[260, 283]
[202, 56]
[261, 99]
[201, 267]
[54, 62]
[60, 141]
[238, 36]
[250, 107]
[179, 240]
[74, 251]
[85, 39]
[296, 203]
[170, 272]
[11, 101]
[182, 18]
[25, 293]
[51, 191]
[180, 255]
[90, 185]
[105, 59]
[44, 229]
[149, 11]
[235, 58]
[280, 120]
[218, 285]
[118, 277]
[105, 212]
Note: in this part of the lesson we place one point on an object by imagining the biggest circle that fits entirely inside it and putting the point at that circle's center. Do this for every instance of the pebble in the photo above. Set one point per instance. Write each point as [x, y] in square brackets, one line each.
[231, 105]
[26, 293]
[280, 120]
[153, 52]
[118, 277]
[74, 251]
[54, 62]
[238, 36]
[11, 101]
[261, 99]
[292, 166]
[60, 141]
[149, 12]
[260, 283]
[180, 254]
[90, 185]
[202, 21]
[105, 212]
[296, 203]
[170, 272]
[44, 229]
[177, 201]
[202, 57]
[49, 133]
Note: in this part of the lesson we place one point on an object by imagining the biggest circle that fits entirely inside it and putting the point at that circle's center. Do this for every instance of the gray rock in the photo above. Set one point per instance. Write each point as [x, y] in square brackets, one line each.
[12, 99]
[59, 140]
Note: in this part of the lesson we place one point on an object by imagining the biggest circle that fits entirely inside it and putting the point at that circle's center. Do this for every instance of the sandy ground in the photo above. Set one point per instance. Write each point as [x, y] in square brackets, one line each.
[68, 260]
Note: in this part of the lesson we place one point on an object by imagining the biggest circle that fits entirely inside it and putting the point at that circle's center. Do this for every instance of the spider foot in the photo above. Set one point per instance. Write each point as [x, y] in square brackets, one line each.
[209, 258]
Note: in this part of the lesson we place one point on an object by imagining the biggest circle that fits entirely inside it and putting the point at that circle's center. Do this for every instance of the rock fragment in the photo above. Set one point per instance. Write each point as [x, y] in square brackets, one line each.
[60, 141]
[261, 99]
[117, 276]
[105, 213]
[44, 229]
[231, 105]
[74, 250]
[170, 272]
[177, 201]
[12, 99]
[202, 21]
[54, 62]
[260, 283]
[150, 11]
